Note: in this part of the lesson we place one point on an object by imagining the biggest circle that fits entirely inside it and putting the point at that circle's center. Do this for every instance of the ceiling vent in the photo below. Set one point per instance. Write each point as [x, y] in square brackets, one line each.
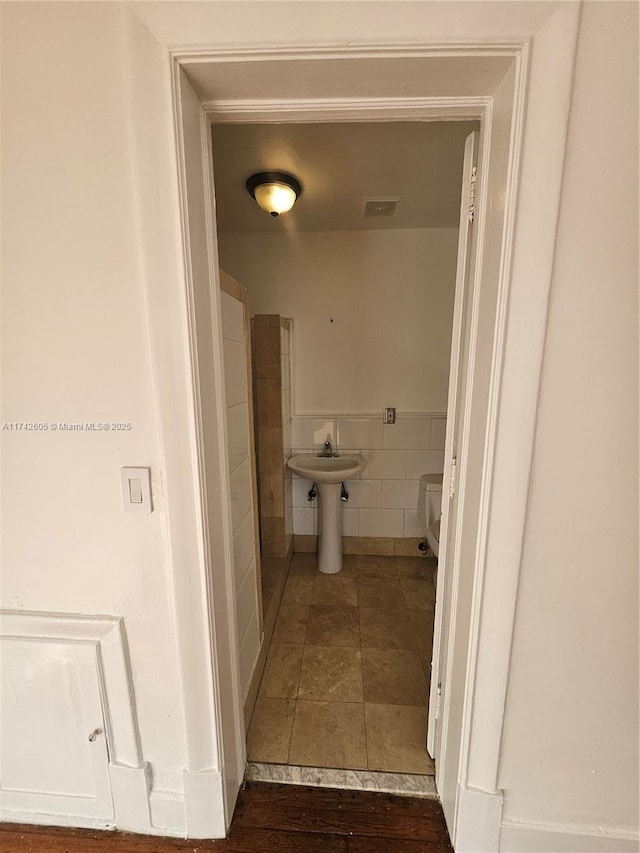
[380, 206]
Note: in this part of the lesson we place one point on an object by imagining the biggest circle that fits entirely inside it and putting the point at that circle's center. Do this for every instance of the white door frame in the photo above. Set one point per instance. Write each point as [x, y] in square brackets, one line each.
[536, 157]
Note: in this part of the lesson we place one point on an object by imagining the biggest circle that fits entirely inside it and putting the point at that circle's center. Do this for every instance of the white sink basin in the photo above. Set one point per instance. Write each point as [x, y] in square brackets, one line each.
[327, 469]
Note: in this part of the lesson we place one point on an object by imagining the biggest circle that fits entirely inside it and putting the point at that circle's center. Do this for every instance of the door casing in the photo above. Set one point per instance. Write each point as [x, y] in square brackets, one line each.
[528, 226]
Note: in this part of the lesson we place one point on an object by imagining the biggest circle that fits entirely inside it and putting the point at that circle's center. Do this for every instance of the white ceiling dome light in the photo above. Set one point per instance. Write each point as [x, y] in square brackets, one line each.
[274, 192]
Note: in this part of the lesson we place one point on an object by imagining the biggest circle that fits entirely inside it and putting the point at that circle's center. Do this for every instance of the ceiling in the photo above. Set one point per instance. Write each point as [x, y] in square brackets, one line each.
[340, 166]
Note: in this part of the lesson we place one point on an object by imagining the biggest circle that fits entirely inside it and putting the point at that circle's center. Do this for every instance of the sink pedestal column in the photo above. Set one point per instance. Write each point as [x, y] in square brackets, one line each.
[330, 523]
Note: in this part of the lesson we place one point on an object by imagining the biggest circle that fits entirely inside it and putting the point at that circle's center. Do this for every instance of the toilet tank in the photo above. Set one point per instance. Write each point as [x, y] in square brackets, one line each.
[430, 498]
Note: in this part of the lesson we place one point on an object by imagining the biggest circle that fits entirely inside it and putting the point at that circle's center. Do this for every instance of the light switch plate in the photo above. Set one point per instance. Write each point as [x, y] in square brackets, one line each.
[136, 490]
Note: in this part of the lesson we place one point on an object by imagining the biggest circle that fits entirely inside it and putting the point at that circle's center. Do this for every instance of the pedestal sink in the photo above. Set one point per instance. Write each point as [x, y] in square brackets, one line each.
[328, 472]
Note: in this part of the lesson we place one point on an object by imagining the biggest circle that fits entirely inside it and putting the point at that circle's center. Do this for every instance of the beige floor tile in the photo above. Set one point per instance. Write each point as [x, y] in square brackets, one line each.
[396, 739]
[298, 589]
[338, 589]
[394, 677]
[426, 666]
[270, 730]
[329, 734]
[349, 565]
[291, 624]
[422, 627]
[420, 568]
[380, 592]
[281, 671]
[333, 626]
[331, 673]
[419, 594]
[304, 564]
[385, 629]
[377, 567]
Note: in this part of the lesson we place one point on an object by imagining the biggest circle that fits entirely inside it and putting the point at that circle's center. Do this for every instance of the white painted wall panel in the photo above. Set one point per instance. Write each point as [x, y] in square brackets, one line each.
[51, 704]
[76, 349]
[570, 746]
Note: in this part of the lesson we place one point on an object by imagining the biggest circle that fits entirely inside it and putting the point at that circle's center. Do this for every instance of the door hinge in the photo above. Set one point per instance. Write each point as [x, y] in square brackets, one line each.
[438, 698]
[452, 481]
[472, 194]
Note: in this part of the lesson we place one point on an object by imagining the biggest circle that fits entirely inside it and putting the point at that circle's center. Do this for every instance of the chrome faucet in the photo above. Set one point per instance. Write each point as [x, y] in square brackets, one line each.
[328, 451]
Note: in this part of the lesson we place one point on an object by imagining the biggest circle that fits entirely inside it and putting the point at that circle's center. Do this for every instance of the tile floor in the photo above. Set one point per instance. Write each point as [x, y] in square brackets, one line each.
[346, 681]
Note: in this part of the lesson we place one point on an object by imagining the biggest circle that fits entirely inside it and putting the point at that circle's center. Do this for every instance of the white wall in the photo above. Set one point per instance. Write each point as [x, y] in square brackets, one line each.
[76, 349]
[372, 313]
[77, 337]
[570, 749]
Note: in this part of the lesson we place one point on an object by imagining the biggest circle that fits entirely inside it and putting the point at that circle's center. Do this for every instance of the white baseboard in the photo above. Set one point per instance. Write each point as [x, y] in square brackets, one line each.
[45, 819]
[130, 792]
[167, 813]
[204, 804]
[516, 837]
[478, 819]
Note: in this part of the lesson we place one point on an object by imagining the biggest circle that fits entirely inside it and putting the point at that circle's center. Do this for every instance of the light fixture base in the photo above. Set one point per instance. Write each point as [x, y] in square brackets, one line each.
[274, 192]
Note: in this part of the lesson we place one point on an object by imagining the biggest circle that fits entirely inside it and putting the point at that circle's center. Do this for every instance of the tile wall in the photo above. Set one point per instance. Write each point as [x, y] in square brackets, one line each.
[383, 501]
[272, 372]
[242, 476]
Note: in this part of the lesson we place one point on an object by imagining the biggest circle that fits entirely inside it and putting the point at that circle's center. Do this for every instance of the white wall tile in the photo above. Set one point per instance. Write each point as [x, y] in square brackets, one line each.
[286, 437]
[301, 433]
[286, 405]
[323, 429]
[385, 464]
[383, 501]
[240, 494]
[414, 524]
[243, 549]
[380, 522]
[246, 601]
[238, 434]
[438, 433]
[305, 520]
[284, 340]
[363, 433]
[365, 494]
[421, 462]
[400, 494]
[312, 432]
[300, 492]
[408, 433]
[249, 648]
[349, 522]
[235, 372]
[232, 318]
[285, 367]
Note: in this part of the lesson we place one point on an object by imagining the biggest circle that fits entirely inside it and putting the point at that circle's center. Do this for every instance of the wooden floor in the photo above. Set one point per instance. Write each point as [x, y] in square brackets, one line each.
[274, 819]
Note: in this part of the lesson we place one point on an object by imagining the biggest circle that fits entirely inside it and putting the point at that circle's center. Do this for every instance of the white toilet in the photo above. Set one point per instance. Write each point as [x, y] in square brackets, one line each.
[430, 505]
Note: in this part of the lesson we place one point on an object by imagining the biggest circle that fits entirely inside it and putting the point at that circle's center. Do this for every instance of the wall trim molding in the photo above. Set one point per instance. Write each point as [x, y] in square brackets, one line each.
[524, 837]
[443, 48]
[554, 39]
[320, 110]
[127, 771]
[478, 817]
[201, 790]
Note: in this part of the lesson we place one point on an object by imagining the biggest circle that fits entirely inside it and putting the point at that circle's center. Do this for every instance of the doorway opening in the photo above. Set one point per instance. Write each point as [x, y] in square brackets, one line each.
[351, 314]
